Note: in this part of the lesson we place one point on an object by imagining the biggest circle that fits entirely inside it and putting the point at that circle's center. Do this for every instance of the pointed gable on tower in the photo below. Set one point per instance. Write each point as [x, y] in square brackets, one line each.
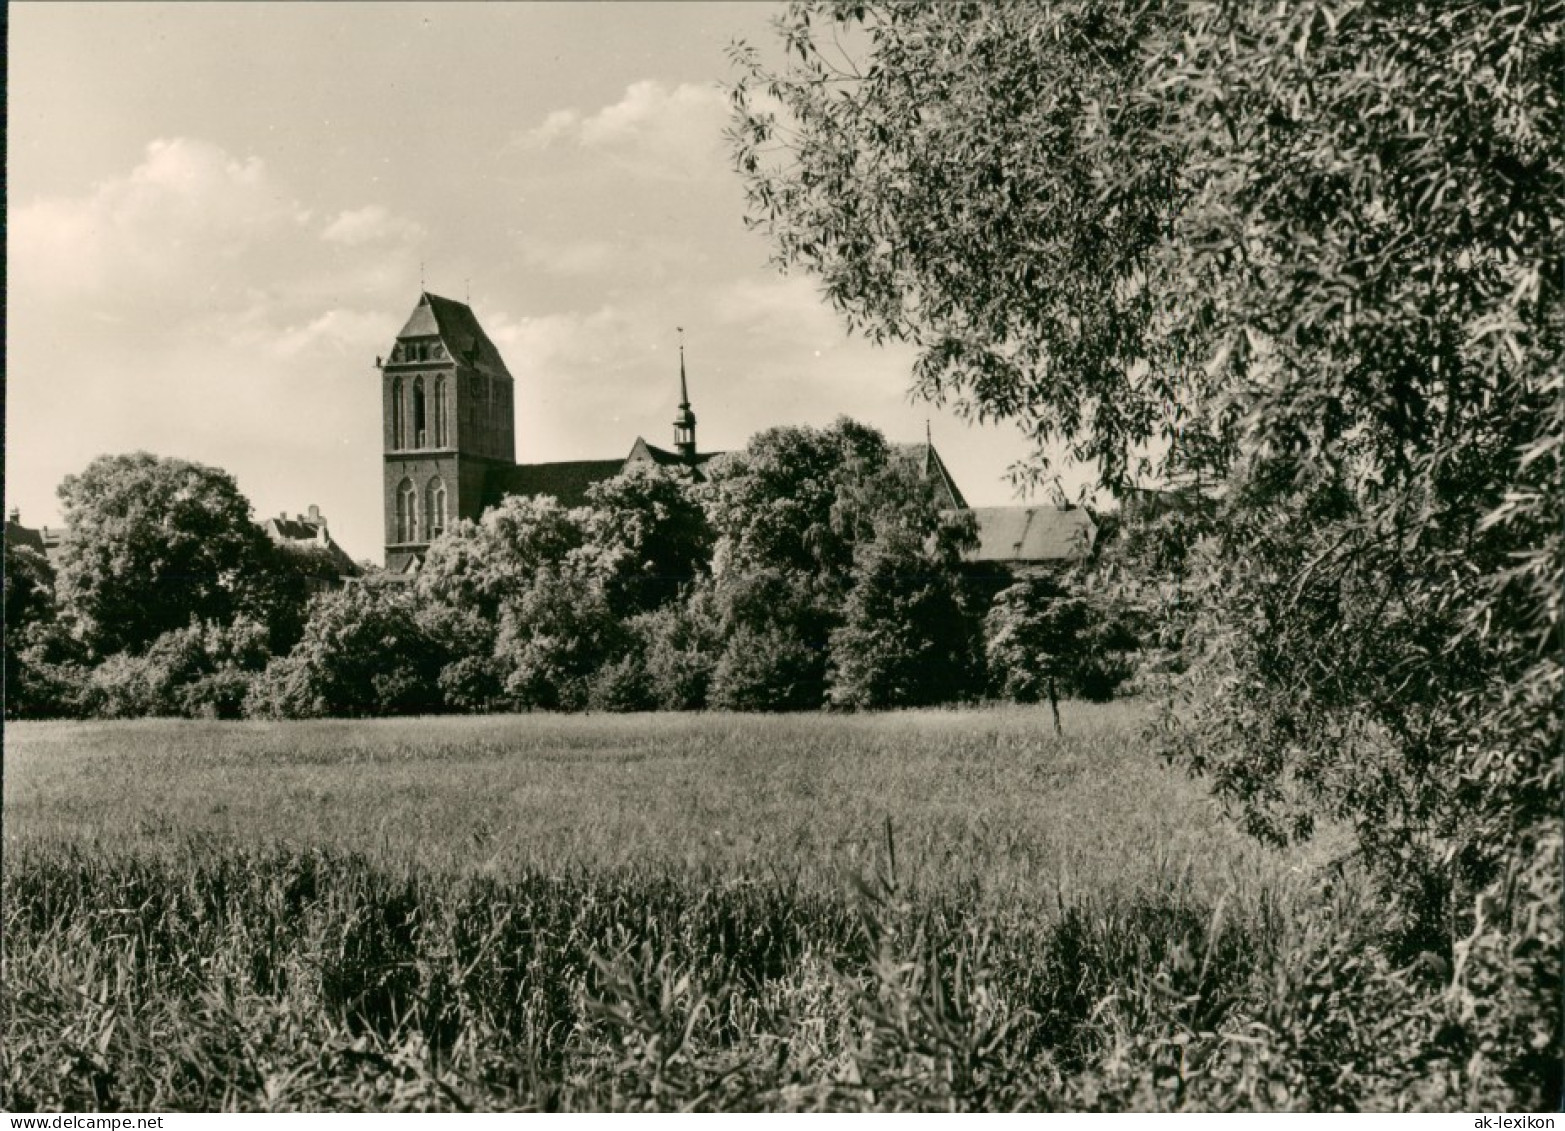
[455, 327]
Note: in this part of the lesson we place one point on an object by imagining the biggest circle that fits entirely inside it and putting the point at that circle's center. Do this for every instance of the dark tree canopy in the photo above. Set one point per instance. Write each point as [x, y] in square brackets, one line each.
[1128, 224]
[155, 543]
[1310, 255]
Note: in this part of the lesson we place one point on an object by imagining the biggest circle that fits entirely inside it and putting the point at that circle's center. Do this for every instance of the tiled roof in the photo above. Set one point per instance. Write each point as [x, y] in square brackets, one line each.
[18, 535]
[931, 466]
[566, 482]
[1032, 534]
[663, 457]
[292, 529]
[50, 540]
[458, 328]
[307, 535]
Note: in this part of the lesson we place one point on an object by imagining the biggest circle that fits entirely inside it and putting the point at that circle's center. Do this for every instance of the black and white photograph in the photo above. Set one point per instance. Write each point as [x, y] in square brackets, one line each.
[816, 557]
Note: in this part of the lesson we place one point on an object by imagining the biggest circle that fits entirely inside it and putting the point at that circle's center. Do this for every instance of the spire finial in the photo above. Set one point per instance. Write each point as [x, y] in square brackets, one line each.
[929, 437]
[684, 394]
[420, 276]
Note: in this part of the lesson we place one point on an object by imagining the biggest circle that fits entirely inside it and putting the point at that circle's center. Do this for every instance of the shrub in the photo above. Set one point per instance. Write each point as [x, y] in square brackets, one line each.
[680, 645]
[768, 669]
[621, 685]
[362, 653]
[552, 638]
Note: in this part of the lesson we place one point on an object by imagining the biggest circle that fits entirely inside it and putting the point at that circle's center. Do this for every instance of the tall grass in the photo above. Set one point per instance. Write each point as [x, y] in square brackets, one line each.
[944, 911]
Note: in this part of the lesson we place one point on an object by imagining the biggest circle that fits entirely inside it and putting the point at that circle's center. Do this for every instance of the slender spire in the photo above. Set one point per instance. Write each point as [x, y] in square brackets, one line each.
[684, 420]
[684, 392]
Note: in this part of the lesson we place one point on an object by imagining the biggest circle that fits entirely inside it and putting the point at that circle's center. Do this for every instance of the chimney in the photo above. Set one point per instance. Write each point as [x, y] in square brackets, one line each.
[15, 515]
[315, 515]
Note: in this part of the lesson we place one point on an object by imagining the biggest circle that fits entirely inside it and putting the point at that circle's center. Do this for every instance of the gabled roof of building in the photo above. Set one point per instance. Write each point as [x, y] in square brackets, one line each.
[18, 535]
[932, 468]
[1033, 534]
[295, 530]
[566, 482]
[48, 540]
[306, 535]
[641, 450]
[457, 326]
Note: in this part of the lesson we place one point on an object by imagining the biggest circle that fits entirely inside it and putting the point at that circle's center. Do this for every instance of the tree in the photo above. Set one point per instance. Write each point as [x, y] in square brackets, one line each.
[554, 635]
[1311, 254]
[775, 630]
[679, 646]
[155, 543]
[774, 505]
[648, 536]
[1044, 629]
[202, 671]
[908, 637]
[1033, 634]
[477, 566]
[42, 662]
[473, 574]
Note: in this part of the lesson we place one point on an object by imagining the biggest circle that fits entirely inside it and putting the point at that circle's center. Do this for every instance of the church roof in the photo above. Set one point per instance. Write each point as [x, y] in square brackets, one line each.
[567, 482]
[1032, 534]
[641, 451]
[457, 326]
[931, 466]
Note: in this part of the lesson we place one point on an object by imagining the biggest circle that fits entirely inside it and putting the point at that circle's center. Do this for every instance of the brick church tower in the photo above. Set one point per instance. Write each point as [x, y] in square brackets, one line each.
[447, 404]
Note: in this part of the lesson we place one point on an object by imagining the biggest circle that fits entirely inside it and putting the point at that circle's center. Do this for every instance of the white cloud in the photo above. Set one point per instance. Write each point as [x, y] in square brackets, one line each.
[559, 124]
[191, 306]
[189, 211]
[667, 133]
[371, 224]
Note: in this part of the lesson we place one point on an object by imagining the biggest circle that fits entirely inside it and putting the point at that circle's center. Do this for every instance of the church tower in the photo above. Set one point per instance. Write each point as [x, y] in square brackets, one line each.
[448, 414]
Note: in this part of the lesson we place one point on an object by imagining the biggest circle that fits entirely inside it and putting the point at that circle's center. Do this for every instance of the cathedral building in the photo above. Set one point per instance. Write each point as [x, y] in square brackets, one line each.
[450, 450]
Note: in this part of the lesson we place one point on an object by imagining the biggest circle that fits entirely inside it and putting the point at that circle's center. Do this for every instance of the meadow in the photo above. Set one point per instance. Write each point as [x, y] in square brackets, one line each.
[921, 910]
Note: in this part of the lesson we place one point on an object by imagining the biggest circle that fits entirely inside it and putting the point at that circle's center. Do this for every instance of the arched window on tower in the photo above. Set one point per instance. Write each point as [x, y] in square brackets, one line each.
[435, 507]
[440, 412]
[491, 417]
[420, 436]
[398, 415]
[407, 512]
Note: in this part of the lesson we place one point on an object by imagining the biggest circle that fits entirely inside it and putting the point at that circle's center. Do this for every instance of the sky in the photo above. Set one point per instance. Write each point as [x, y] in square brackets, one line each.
[221, 214]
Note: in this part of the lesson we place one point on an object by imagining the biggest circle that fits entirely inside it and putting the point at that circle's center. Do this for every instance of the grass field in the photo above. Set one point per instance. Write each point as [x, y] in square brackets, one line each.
[931, 909]
[988, 799]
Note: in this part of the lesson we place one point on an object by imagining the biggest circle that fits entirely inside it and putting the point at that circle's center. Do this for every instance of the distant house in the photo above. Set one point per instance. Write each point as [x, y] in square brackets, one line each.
[18, 535]
[47, 540]
[307, 535]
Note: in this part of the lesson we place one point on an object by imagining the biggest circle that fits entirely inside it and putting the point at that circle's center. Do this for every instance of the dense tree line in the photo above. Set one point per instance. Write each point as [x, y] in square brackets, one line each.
[812, 569]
